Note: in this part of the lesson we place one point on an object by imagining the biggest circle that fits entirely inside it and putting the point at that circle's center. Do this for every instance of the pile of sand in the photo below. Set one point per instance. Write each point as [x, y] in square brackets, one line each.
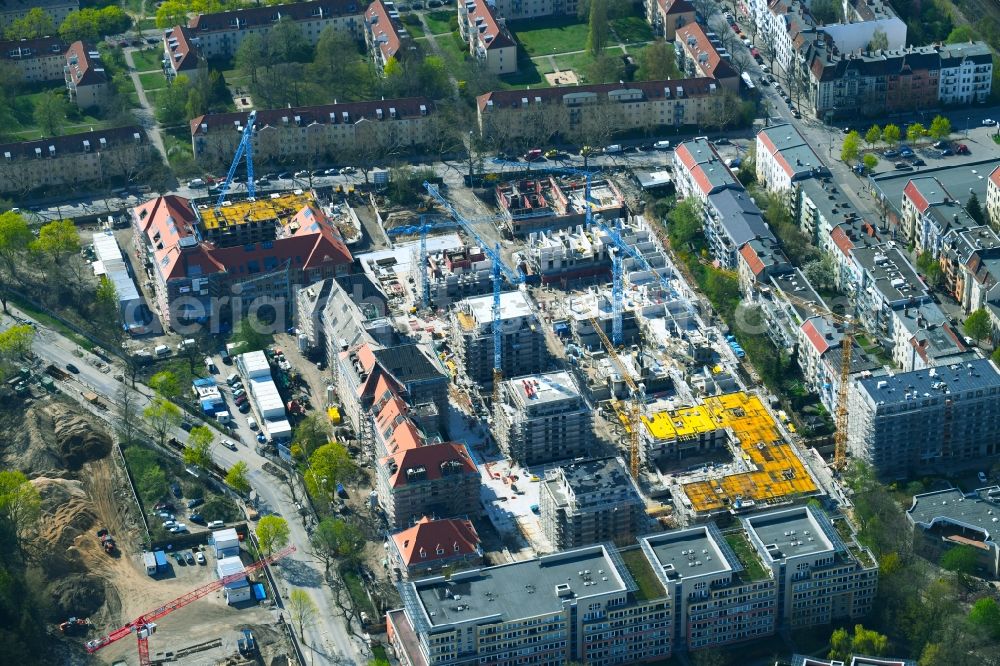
[53, 440]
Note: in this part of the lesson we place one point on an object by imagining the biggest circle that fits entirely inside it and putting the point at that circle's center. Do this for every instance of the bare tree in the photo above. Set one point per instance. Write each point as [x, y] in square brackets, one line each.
[127, 425]
[126, 161]
[303, 611]
[705, 8]
[598, 123]
[768, 43]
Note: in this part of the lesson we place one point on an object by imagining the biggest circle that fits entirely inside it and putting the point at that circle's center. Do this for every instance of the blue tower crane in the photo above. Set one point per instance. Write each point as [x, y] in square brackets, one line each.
[245, 148]
[423, 228]
[500, 272]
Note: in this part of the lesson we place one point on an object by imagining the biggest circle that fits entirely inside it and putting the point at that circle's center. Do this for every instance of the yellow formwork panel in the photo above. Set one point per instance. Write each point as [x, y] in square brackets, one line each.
[465, 321]
[260, 210]
[778, 474]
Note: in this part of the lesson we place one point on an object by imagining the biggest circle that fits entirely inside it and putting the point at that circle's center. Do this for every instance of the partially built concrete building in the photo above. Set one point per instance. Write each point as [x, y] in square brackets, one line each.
[541, 418]
[549, 202]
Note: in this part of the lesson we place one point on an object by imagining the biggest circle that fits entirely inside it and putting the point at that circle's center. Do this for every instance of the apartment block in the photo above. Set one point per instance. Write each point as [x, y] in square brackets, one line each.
[12, 10]
[820, 355]
[74, 159]
[315, 133]
[699, 171]
[432, 545]
[557, 201]
[783, 157]
[455, 274]
[820, 579]
[541, 418]
[930, 213]
[951, 518]
[699, 55]
[923, 337]
[220, 34]
[966, 73]
[487, 36]
[36, 59]
[940, 418]
[87, 82]
[514, 10]
[437, 480]
[759, 260]
[666, 16]
[523, 343]
[970, 263]
[342, 313]
[732, 220]
[589, 502]
[679, 591]
[260, 251]
[181, 53]
[992, 205]
[505, 115]
[882, 281]
[578, 605]
[385, 34]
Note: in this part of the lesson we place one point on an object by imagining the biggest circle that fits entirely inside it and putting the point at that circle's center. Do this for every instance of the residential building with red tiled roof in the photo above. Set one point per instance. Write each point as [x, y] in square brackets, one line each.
[993, 197]
[697, 56]
[74, 159]
[820, 352]
[487, 36]
[434, 480]
[510, 114]
[40, 59]
[930, 212]
[193, 269]
[314, 133]
[180, 52]
[87, 82]
[385, 35]
[514, 10]
[666, 16]
[431, 545]
[758, 260]
[784, 158]
[220, 34]
[699, 171]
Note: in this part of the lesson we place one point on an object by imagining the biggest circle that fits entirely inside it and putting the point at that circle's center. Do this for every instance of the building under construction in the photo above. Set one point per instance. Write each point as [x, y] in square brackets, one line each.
[771, 472]
[555, 202]
[454, 274]
[541, 418]
[523, 349]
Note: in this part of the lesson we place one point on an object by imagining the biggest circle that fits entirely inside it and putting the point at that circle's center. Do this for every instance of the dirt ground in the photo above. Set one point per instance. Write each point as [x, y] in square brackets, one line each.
[68, 457]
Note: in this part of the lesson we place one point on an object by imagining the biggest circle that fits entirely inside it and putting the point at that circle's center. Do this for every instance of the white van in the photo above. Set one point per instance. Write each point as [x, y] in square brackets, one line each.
[215, 524]
[223, 417]
[662, 145]
[210, 365]
[252, 423]
[184, 344]
[613, 149]
[161, 350]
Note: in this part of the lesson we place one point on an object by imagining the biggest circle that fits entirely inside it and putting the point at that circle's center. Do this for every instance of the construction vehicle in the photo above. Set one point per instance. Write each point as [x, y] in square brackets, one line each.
[74, 625]
[56, 373]
[93, 399]
[107, 541]
[144, 626]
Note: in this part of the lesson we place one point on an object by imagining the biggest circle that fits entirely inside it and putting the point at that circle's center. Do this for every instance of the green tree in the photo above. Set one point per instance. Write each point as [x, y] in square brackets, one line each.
[236, 478]
[852, 144]
[940, 128]
[915, 132]
[962, 560]
[891, 134]
[337, 539]
[977, 326]
[166, 384]
[826, 11]
[985, 614]
[20, 508]
[303, 611]
[329, 465]
[171, 104]
[171, 13]
[658, 62]
[50, 112]
[975, 209]
[605, 69]
[879, 40]
[58, 241]
[930, 267]
[162, 415]
[16, 341]
[870, 162]
[597, 32]
[822, 272]
[864, 641]
[873, 135]
[995, 356]
[961, 33]
[36, 23]
[272, 533]
[251, 334]
[199, 446]
[311, 433]
[685, 223]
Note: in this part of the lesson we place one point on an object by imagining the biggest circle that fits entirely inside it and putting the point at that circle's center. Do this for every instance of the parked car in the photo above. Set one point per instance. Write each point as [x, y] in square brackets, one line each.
[197, 518]
[189, 557]
[196, 182]
[244, 407]
[903, 166]
[906, 151]
[989, 122]
[946, 152]
[533, 155]
[163, 506]
[940, 144]
[982, 477]
[175, 488]
[346, 170]
[238, 392]
[284, 175]
[200, 558]
[961, 149]
[179, 559]
[195, 503]
[918, 162]
[551, 154]
[241, 400]
[178, 528]
[721, 141]
[229, 444]
[892, 152]
[167, 524]
[72, 368]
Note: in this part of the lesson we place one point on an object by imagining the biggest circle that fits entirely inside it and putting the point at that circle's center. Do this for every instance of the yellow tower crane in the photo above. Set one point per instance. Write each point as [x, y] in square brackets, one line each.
[635, 401]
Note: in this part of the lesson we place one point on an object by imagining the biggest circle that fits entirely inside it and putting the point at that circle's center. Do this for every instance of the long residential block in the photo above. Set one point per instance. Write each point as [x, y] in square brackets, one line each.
[38, 59]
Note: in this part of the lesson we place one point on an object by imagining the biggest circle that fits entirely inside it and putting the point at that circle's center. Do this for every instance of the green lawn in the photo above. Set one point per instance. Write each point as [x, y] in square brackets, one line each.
[579, 62]
[753, 568]
[22, 119]
[148, 61]
[153, 81]
[147, 24]
[440, 22]
[632, 29]
[412, 24]
[637, 565]
[550, 35]
[529, 73]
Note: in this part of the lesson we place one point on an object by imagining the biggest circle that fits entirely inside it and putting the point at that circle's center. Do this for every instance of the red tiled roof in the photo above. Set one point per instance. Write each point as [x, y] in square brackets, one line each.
[430, 458]
[670, 7]
[842, 241]
[816, 339]
[395, 426]
[694, 40]
[177, 45]
[409, 107]
[912, 192]
[995, 176]
[683, 153]
[84, 64]
[478, 9]
[260, 17]
[753, 261]
[385, 29]
[155, 215]
[694, 87]
[420, 543]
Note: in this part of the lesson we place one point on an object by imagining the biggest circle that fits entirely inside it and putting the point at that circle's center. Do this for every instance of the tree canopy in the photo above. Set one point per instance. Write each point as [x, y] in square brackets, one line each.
[977, 326]
[272, 533]
[236, 478]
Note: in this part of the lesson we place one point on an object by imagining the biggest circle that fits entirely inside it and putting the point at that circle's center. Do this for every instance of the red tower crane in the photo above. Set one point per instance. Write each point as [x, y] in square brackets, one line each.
[145, 625]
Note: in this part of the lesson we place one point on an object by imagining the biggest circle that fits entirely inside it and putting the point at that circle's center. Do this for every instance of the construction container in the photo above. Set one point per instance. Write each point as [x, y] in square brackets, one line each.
[161, 560]
[334, 414]
[150, 561]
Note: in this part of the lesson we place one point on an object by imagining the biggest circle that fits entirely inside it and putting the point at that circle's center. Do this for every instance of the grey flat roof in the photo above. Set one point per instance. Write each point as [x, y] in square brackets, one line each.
[519, 590]
[594, 482]
[794, 531]
[956, 178]
[831, 202]
[691, 552]
[955, 507]
[407, 363]
[739, 216]
[549, 387]
[796, 284]
[893, 389]
[892, 272]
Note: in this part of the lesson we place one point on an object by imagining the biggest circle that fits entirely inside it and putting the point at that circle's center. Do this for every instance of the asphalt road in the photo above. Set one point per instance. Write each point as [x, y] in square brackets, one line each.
[329, 636]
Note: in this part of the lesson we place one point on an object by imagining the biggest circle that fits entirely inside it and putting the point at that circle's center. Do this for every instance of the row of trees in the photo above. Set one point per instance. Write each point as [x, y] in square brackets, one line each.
[89, 24]
[891, 134]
